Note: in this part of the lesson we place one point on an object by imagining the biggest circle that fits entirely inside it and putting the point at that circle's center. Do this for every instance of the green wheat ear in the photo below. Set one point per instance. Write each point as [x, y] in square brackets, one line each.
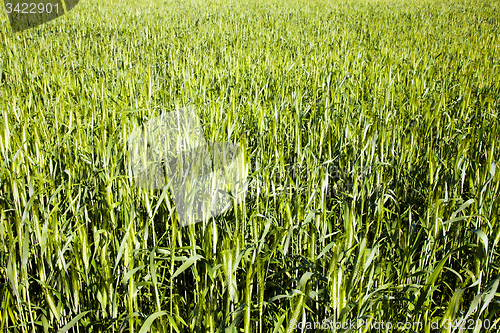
[372, 127]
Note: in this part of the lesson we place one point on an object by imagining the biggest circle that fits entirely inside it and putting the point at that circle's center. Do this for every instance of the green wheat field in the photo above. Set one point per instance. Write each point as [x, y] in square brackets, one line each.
[372, 137]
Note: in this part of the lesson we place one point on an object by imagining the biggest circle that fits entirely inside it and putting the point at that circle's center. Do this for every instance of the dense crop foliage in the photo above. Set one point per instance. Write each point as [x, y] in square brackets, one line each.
[372, 133]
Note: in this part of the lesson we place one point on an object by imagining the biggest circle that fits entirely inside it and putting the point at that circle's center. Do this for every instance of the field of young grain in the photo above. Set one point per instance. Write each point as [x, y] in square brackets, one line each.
[371, 130]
